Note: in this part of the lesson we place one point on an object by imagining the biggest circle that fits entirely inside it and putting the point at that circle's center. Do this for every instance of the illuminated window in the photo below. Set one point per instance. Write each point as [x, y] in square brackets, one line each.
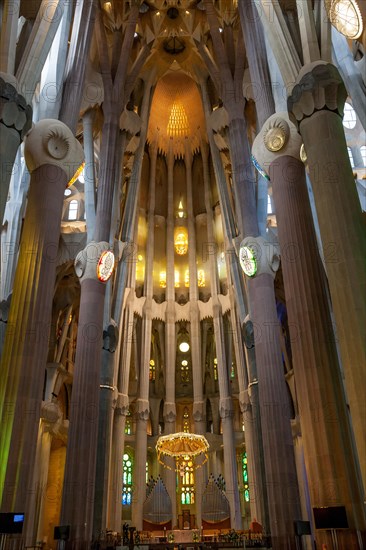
[176, 279]
[245, 477]
[232, 371]
[187, 481]
[128, 429]
[186, 423]
[351, 157]
[269, 205]
[147, 471]
[363, 154]
[152, 370]
[73, 210]
[181, 240]
[201, 280]
[215, 369]
[184, 371]
[349, 117]
[181, 213]
[186, 278]
[127, 480]
[162, 279]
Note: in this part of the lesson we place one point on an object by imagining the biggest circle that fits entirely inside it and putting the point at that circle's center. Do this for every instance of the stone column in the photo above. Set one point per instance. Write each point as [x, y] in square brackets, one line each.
[79, 481]
[108, 394]
[199, 412]
[89, 174]
[316, 105]
[52, 155]
[170, 334]
[139, 493]
[329, 457]
[82, 32]
[15, 121]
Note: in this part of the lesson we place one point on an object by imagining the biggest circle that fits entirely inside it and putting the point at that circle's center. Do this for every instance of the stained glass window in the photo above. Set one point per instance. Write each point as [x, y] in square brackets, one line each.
[73, 210]
[187, 481]
[127, 480]
[245, 477]
[215, 369]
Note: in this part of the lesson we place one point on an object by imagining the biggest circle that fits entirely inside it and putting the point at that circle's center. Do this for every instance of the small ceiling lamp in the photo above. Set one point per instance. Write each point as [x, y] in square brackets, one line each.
[181, 240]
[346, 17]
[184, 347]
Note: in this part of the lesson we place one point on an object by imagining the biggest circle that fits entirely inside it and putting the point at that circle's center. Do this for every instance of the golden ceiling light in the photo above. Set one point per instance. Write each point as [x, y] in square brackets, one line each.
[181, 240]
[178, 125]
[346, 17]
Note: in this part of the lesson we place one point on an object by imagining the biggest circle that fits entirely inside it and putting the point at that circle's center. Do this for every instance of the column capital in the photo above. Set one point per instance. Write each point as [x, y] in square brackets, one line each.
[88, 260]
[51, 142]
[142, 409]
[14, 111]
[278, 137]
[319, 87]
[122, 404]
[244, 401]
[198, 411]
[226, 407]
[170, 412]
[110, 337]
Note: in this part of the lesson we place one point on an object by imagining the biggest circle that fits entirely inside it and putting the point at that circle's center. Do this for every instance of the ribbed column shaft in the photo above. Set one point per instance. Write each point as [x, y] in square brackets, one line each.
[327, 439]
[344, 244]
[26, 341]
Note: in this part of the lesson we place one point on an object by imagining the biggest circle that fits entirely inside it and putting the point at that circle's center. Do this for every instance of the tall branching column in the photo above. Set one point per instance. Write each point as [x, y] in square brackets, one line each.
[226, 410]
[139, 493]
[199, 412]
[273, 399]
[328, 449]
[26, 341]
[316, 104]
[170, 335]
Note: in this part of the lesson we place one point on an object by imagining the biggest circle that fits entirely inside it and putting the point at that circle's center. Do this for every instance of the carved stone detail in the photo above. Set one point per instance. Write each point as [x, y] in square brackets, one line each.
[86, 261]
[266, 255]
[244, 401]
[226, 407]
[110, 337]
[122, 404]
[170, 412]
[142, 409]
[52, 142]
[199, 411]
[319, 87]
[291, 147]
[14, 111]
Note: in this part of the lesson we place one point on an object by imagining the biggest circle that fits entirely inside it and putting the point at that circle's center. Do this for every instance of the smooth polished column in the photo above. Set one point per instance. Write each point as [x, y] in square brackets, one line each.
[26, 341]
[316, 105]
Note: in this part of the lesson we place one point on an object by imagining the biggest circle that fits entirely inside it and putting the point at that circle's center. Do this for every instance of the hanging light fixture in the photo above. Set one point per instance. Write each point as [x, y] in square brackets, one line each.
[182, 446]
[181, 240]
[346, 17]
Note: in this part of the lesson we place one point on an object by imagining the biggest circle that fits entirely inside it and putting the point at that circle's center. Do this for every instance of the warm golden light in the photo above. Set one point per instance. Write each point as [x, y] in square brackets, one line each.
[201, 279]
[178, 125]
[162, 279]
[186, 278]
[176, 279]
[184, 347]
[77, 174]
[181, 240]
[346, 17]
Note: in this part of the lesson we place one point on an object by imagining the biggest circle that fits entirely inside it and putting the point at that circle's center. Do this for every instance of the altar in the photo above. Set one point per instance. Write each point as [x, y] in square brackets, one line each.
[183, 535]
